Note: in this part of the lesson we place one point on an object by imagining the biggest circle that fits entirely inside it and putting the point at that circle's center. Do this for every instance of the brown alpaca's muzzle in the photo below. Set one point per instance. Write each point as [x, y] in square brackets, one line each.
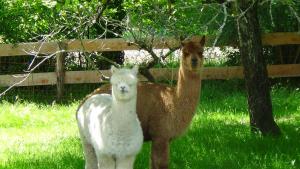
[194, 63]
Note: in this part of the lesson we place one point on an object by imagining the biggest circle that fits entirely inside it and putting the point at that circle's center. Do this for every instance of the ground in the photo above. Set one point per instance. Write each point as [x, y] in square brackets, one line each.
[35, 135]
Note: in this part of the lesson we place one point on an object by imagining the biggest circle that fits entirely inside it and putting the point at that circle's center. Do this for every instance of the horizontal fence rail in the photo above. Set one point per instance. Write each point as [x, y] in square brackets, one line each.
[77, 77]
[118, 44]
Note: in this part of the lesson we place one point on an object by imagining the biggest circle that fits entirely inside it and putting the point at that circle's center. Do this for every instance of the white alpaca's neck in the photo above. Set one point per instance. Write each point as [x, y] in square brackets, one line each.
[124, 117]
[124, 111]
[128, 106]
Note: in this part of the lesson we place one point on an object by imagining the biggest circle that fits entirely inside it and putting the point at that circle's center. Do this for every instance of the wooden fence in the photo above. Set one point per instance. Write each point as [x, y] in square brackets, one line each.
[61, 77]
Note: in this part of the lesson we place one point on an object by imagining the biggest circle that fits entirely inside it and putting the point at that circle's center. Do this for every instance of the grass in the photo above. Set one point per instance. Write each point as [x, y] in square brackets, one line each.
[38, 135]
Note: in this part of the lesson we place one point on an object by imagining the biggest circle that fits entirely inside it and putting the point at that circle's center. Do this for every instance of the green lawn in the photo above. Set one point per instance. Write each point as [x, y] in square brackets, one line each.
[45, 136]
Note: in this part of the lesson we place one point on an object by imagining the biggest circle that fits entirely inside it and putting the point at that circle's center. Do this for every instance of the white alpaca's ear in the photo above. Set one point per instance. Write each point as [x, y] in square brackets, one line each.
[135, 70]
[113, 69]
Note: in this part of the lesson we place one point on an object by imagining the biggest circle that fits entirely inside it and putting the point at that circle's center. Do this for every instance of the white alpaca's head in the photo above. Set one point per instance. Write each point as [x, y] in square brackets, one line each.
[124, 83]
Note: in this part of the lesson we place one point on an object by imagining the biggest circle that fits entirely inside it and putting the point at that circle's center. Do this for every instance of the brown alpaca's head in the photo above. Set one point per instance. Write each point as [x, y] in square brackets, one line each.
[192, 55]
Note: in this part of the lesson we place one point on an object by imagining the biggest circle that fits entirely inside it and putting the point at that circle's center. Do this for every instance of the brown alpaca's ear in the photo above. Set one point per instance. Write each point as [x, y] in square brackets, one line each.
[182, 41]
[182, 44]
[202, 42]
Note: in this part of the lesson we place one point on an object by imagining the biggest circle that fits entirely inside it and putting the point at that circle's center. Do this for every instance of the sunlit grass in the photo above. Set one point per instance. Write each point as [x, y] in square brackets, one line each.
[38, 136]
[34, 135]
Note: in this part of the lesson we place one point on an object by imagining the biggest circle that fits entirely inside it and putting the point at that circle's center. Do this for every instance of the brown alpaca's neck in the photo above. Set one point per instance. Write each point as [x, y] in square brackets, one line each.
[188, 85]
[185, 99]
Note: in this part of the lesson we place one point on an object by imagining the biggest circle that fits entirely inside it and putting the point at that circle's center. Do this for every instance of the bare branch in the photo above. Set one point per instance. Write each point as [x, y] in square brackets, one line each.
[101, 9]
[171, 50]
[242, 13]
[295, 14]
[220, 30]
[271, 16]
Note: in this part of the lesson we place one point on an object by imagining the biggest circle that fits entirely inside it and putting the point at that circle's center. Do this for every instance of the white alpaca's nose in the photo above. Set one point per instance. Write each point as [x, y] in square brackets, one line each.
[123, 88]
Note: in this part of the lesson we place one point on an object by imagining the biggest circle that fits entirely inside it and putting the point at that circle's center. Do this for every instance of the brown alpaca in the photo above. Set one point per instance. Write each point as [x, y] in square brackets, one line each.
[166, 112]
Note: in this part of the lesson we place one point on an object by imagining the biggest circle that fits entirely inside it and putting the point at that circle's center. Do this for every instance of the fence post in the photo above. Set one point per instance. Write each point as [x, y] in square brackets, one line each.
[60, 70]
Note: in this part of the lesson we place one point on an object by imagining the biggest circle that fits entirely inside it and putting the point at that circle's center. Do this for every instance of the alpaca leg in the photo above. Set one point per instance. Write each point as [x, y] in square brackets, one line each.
[90, 156]
[160, 154]
[126, 162]
[106, 162]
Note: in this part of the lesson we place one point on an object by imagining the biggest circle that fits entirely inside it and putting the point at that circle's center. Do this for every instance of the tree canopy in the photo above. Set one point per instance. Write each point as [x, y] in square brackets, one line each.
[25, 21]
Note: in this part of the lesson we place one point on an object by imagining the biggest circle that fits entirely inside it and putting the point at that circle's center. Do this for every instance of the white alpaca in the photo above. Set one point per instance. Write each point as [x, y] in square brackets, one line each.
[109, 127]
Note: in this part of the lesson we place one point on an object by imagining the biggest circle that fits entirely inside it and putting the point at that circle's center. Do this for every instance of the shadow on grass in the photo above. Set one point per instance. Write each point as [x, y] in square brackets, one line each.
[216, 144]
[47, 94]
[230, 96]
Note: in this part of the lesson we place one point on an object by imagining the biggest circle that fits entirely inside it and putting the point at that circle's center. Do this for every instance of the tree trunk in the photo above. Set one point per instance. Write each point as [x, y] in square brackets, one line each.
[255, 71]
